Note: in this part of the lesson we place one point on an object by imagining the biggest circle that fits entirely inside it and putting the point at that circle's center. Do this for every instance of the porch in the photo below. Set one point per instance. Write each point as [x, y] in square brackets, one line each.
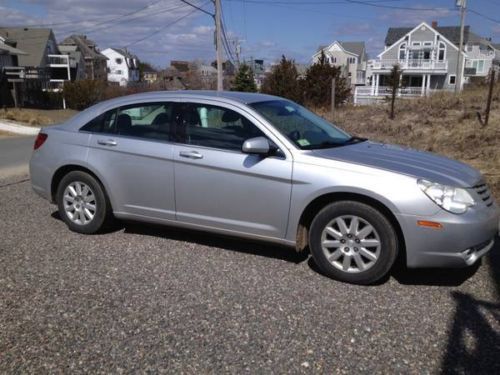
[411, 86]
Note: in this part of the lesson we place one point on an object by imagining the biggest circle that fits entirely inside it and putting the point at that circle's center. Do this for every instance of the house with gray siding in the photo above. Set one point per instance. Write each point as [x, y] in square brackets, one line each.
[349, 56]
[428, 56]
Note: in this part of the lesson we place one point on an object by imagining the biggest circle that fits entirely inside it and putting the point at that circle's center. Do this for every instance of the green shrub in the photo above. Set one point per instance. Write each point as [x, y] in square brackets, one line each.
[82, 94]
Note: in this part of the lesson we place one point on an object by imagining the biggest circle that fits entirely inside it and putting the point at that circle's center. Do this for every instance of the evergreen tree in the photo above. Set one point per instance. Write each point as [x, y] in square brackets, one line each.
[244, 80]
[318, 84]
[284, 81]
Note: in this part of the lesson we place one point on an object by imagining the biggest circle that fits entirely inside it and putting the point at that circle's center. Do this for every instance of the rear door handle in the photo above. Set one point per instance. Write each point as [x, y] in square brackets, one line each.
[191, 154]
[107, 142]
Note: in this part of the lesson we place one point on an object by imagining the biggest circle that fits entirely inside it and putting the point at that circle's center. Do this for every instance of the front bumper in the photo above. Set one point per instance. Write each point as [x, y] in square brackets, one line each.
[461, 242]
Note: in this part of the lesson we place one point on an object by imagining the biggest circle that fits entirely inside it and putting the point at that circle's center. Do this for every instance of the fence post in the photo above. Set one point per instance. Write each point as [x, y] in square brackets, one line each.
[490, 97]
[333, 97]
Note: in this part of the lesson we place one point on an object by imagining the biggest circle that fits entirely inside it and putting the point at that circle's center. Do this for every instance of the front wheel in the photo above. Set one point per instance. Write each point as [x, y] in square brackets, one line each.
[82, 203]
[353, 242]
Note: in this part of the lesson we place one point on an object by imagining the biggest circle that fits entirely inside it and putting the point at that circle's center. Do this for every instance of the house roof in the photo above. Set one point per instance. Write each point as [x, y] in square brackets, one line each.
[32, 41]
[10, 50]
[452, 33]
[124, 53]
[354, 47]
[86, 46]
[496, 45]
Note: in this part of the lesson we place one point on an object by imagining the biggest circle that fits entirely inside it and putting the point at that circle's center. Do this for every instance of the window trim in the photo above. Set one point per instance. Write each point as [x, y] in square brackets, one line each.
[402, 48]
[441, 47]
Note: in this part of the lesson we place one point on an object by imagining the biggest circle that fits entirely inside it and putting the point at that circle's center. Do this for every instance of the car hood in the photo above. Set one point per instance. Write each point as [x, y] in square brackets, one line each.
[404, 160]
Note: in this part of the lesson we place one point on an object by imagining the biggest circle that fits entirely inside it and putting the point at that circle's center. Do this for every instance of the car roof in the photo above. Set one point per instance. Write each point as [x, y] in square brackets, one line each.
[241, 97]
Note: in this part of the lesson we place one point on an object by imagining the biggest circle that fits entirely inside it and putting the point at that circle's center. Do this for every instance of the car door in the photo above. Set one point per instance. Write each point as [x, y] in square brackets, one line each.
[130, 147]
[216, 184]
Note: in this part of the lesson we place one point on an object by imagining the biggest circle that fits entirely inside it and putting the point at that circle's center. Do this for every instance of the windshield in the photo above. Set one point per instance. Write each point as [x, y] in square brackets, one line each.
[305, 129]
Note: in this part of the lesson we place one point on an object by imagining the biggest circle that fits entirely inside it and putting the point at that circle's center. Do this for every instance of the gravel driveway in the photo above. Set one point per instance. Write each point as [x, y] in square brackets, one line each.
[156, 298]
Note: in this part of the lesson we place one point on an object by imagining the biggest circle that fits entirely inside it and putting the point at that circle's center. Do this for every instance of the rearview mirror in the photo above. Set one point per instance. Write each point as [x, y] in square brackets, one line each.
[257, 145]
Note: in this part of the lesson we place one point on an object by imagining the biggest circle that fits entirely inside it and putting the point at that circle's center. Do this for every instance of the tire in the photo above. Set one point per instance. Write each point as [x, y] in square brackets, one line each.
[90, 212]
[331, 242]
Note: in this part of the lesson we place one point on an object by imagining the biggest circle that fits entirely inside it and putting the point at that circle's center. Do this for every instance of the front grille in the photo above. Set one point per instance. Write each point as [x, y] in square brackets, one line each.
[484, 193]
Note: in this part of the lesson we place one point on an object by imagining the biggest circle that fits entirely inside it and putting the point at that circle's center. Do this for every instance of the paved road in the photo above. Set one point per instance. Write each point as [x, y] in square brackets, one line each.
[153, 298]
[15, 153]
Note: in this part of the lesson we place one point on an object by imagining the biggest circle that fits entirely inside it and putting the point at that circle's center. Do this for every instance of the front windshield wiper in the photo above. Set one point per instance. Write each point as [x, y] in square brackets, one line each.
[355, 139]
[331, 144]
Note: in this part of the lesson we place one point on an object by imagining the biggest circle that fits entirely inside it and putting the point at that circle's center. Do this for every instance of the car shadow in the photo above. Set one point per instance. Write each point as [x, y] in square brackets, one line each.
[246, 246]
[402, 274]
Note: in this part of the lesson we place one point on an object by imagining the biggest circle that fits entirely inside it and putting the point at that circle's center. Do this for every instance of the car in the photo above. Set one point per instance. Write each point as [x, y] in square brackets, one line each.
[262, 167]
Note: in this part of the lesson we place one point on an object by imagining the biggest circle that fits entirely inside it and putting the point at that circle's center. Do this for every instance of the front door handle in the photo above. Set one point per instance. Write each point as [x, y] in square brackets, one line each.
[191, 154]
[107, 142]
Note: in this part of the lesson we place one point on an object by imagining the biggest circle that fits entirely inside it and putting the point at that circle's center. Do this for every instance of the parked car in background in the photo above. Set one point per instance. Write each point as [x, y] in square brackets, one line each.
[262, 167]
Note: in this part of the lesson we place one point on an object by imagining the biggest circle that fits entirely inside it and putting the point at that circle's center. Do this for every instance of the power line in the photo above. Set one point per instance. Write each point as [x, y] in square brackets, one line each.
[99, 19]
[107, 25]
[163, 27]
[483, 15]
[197, 7]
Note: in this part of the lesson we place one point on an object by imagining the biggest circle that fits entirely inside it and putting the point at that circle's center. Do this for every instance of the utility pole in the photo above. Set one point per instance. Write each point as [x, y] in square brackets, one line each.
[458, 80]
[218, 44]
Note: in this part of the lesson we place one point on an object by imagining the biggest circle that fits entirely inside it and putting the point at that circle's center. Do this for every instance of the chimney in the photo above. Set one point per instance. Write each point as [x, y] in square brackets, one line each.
[434, 24]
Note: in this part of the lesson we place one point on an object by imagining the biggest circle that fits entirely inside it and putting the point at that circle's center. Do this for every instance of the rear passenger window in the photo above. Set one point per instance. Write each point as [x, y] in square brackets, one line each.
[215, 127]
[145, 120]
[104, 123]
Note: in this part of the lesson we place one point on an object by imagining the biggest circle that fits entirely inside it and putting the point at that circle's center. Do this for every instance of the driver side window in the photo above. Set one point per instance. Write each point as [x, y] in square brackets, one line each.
[213, 126]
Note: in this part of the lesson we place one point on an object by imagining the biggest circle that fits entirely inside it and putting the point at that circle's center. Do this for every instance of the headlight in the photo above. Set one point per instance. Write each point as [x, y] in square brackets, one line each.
[452, 199]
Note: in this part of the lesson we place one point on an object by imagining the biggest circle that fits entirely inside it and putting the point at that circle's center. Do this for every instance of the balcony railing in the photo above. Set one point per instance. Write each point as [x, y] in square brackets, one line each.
[58, 60]
[415, 64]
[366, 94]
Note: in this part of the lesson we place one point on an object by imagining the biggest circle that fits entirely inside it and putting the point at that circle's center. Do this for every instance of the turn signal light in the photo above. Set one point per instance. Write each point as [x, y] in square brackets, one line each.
[40, 140]
[429, 224]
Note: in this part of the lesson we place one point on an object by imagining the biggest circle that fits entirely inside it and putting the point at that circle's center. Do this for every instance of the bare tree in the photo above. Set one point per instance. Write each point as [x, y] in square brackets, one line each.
[395, 86]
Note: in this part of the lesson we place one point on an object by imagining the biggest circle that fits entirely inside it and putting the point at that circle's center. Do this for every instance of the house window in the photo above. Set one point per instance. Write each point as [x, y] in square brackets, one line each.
[416, 44]
[334, 60]
[119, 61]
[402, 51]
[441, 51]
[479, 65]
[452, 79]
[352, 60]
[428, 44]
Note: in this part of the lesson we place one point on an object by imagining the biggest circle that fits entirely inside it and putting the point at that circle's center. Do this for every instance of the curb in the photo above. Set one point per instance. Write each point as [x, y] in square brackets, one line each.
[16, 128]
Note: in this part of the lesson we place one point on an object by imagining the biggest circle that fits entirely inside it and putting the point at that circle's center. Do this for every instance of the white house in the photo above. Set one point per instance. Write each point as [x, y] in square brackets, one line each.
[349, 56]
[428, 57]
[123, 67]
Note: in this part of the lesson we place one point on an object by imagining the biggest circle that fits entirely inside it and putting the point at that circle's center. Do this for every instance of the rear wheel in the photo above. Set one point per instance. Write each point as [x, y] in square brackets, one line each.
[353, 242]
[82, 203]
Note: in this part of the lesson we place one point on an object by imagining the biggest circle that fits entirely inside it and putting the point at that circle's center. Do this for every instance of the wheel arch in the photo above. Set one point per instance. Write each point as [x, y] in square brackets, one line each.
[317, 204]
[64, 170]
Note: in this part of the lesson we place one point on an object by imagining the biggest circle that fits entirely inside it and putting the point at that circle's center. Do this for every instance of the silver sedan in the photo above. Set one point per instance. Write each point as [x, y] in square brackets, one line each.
[262, 167]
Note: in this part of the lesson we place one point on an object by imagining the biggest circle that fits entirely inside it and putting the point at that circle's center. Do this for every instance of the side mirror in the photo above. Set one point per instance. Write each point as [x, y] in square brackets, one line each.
[257, 145]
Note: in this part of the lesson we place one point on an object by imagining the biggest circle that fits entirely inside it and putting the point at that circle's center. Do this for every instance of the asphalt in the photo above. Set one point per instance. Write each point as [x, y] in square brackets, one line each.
[156, 299]
[15, 153]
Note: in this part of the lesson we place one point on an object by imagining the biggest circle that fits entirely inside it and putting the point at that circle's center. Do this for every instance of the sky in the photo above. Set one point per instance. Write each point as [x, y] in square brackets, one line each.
[158, 31]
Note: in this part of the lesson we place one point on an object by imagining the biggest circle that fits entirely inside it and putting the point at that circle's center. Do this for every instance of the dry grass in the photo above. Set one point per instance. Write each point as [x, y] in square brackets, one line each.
[443, 123]
[36, 117]
[4, 134]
